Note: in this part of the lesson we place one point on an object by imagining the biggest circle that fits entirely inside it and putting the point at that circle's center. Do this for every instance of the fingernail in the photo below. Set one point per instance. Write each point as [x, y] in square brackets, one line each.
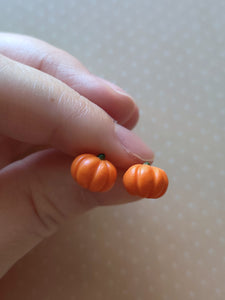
[116, 88]
[133, 144]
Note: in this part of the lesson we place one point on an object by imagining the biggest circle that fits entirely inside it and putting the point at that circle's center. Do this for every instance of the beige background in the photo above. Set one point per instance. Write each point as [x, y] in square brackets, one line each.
[170, 55]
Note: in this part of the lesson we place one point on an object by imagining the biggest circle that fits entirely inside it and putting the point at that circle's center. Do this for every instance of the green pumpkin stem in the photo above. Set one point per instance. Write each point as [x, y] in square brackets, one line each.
[101, 156]
[146, 163]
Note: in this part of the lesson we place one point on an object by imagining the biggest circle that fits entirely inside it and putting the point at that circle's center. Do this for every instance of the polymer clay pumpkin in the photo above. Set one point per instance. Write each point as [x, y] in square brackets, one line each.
[93, 172]
[145, 181]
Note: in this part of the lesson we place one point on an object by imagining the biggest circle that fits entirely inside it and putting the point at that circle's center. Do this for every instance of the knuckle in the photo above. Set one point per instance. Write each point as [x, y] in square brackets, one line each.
[47, 215]
[72, 108]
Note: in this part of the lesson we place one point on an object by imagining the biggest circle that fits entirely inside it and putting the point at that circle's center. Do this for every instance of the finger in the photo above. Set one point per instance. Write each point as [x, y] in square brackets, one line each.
[37, 195]
[11, 150]
[38, 109]
[65, 67]
[132, 120]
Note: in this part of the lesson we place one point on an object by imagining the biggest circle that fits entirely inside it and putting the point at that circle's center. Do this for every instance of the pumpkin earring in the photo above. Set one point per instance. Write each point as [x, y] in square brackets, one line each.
[94, 172]
[145, 181]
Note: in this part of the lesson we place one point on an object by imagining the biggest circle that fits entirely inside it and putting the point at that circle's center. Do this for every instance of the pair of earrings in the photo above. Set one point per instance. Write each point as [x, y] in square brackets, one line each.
[99, 175]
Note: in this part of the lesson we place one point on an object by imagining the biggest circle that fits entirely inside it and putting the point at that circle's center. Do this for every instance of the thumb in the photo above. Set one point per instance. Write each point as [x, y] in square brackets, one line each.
[37, 194]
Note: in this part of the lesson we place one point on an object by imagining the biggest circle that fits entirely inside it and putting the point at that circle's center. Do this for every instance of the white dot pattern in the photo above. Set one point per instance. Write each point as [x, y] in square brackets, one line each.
[170, 56]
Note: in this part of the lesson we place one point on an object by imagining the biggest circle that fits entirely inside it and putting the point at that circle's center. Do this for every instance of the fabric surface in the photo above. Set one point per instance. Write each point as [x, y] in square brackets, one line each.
[170, 56]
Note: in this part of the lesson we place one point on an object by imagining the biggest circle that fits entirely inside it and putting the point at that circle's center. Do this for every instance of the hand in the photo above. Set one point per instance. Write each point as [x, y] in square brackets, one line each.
[52, 109]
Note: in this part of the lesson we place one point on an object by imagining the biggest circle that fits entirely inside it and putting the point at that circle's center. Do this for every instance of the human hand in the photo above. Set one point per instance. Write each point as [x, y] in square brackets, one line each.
[52, 109]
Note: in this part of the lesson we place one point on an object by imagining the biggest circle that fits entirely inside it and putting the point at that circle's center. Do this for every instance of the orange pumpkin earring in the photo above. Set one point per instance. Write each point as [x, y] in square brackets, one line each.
[145, 181]
[94, 172]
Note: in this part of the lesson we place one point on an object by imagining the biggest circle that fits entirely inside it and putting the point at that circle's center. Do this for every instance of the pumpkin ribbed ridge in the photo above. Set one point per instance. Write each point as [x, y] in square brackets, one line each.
[98, 180]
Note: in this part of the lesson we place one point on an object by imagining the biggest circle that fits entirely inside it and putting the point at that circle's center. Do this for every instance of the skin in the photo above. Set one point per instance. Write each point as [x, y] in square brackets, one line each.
[52, 109]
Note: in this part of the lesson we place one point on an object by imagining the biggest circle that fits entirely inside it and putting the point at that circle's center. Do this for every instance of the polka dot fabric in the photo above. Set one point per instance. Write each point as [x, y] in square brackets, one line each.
[170, 55]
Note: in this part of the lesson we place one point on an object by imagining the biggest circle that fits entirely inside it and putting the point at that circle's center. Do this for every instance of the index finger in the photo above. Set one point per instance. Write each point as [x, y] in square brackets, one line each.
[65, 67]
